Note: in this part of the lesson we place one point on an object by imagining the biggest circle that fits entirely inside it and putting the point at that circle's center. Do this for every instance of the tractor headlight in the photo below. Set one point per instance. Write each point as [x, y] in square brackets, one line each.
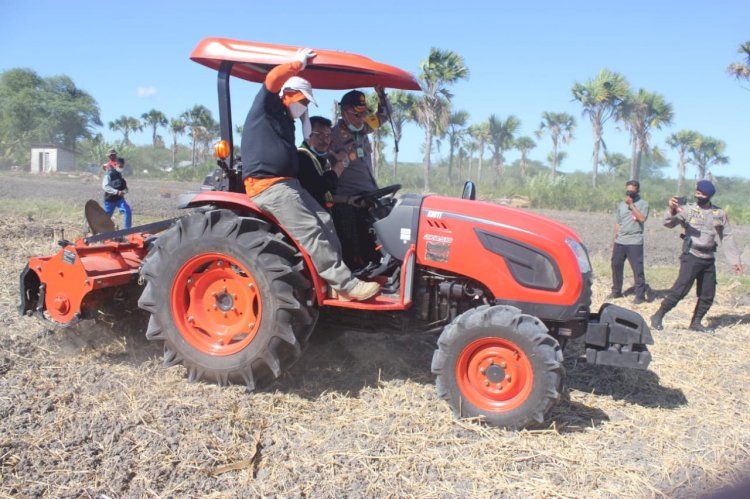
[581, 255]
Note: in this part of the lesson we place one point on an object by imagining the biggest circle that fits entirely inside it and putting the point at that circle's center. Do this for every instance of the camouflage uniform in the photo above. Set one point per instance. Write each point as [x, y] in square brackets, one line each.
[697, 261]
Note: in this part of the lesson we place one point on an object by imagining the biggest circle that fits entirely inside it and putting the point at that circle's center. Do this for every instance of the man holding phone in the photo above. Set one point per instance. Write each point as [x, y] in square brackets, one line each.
[630, 216]
[702, 222]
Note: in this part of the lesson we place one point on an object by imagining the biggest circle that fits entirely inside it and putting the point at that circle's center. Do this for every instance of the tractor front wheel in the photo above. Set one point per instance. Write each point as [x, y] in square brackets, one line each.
[228, 298]
[500, 365]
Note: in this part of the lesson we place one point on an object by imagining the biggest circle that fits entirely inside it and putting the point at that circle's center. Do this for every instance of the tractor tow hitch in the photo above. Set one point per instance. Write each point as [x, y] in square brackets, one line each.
[618, 337]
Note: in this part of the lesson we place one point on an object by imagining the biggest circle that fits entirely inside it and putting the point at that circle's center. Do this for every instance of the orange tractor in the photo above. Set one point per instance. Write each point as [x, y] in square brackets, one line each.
[234, 298]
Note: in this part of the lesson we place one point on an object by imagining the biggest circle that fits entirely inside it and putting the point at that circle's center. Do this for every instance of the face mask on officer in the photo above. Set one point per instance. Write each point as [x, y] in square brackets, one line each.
[702, 201]
[632, 194]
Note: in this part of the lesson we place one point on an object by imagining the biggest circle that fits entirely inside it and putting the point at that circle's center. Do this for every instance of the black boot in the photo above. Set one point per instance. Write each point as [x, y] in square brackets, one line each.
[656, 320]
[695, 325]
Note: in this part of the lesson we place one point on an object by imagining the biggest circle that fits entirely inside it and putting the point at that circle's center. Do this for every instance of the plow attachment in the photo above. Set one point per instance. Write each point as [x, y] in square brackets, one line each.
[85, 276]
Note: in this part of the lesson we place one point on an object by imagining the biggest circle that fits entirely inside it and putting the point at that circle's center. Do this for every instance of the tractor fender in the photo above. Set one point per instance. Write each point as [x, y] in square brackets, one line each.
[242, 204]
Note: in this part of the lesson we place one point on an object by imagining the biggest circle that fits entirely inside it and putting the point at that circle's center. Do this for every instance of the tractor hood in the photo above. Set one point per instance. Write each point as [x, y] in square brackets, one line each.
[331, 69]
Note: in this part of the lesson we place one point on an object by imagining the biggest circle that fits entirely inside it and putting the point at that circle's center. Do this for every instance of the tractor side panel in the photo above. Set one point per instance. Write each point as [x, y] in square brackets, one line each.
[519, 256]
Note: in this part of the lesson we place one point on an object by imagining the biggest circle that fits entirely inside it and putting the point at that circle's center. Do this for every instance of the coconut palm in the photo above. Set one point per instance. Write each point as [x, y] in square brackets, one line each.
[616, 163]
[126, 124]
[525, 144]
[402, 111]
[741, 70]
[501, 137]
[480, 133]
[559, 126]
[682, 141]
[455, 131]
[600, 97]
[154, 119]
[707, 151]
[197, 116]
[642, 112]
[441, 69]
[177, 128]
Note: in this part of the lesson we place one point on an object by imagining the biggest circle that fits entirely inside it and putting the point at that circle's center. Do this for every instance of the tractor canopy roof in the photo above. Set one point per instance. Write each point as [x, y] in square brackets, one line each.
[331, 69]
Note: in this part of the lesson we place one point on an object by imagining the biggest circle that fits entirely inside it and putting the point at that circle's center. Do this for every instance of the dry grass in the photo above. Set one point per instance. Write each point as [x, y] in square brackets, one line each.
[89, 411]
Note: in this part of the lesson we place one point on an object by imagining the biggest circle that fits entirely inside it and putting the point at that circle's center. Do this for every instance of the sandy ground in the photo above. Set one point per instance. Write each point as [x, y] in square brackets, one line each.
[89, 411]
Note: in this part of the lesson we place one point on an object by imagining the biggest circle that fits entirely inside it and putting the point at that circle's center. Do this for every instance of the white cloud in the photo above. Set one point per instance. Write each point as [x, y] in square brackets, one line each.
[145, 91]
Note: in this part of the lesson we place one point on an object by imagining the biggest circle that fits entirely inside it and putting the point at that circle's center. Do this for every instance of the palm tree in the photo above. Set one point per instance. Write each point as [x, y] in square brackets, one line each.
[402, 111]
[707, 151]
[502, 137]
[455, 130]
[125, 124]
[197, 116]
[642, 112]
[741, 70]
[600, 97]
[154, 119]
[682, 141]
[481, 134]
[440, 69]
[524, 145]
[177, 128]
[559, 126]
[615, 162]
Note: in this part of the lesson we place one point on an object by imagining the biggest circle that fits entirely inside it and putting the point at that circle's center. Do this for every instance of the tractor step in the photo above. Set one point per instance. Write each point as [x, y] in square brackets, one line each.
[618, 337]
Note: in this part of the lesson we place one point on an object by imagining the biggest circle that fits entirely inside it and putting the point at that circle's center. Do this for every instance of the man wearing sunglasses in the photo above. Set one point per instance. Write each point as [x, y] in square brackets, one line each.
[350, 136]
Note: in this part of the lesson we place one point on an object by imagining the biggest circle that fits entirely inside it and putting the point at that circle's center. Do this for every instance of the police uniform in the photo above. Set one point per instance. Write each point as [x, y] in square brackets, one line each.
[702, 226]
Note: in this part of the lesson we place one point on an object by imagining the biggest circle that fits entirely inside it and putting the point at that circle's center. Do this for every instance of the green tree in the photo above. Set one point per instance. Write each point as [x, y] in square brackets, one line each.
[441, 69]
[456, 130]
[741, 70]
[616, 163]
[36, 109]
[177, 127]
[126, 125]
[197, 117]
[600, 98]
[501, 137]
[559, 126]
[402, 111]
[481, 133]
[706, 152]
[682, 141]
[154, 119]
[641, 112]
[525, 144]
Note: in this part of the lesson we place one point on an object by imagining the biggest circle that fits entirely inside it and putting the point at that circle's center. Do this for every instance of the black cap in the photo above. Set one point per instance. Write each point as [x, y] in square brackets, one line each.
[356, 99]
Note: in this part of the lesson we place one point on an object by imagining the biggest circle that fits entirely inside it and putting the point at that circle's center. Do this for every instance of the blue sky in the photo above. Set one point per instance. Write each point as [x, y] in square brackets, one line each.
[524, 57]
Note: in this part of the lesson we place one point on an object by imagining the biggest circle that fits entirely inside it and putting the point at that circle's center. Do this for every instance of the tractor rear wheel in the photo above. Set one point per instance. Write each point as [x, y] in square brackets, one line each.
[228, 298]
[495, 363]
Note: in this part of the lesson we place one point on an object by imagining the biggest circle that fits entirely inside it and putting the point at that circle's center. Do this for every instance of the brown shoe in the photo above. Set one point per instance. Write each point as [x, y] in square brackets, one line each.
[362, 291]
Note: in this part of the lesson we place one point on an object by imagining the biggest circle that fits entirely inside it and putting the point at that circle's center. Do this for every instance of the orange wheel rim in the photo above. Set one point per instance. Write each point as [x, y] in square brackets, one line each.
[494, 375]
[215, 304]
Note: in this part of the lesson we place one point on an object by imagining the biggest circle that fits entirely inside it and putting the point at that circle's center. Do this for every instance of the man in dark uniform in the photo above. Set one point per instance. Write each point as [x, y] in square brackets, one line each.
[270, 168]
[319, 168]
[350, 135]
[702, 222]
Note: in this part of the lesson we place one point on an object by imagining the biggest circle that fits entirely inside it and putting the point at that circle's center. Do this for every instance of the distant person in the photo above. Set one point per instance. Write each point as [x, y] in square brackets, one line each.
[350, 135]
[115, 187]
[703, 222]
[270, 171]
[112, 160]
[319, 168]
[630, 216]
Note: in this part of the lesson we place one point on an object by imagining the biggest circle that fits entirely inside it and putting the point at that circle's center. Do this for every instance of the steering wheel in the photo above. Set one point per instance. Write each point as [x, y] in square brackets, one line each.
[373, 197]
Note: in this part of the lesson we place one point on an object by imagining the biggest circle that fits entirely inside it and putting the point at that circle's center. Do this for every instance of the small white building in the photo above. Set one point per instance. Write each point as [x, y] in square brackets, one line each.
[46, 158]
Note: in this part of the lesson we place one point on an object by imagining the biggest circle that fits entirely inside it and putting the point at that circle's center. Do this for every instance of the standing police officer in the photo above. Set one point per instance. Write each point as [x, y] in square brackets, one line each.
[630, 216]
[702, 222]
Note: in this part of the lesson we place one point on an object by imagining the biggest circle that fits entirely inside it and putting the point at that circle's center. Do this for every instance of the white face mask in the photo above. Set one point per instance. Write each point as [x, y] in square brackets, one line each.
[297, 109]
[354, 128]
[119, 169]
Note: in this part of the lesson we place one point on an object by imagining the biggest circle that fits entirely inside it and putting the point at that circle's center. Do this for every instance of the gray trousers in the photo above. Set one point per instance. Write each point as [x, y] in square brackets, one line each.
[311, 226]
